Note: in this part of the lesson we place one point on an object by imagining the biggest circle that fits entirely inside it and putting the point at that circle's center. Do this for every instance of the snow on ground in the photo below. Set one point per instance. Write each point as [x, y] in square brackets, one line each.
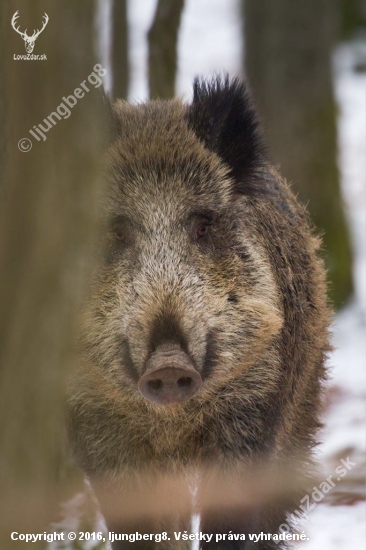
[210, 41]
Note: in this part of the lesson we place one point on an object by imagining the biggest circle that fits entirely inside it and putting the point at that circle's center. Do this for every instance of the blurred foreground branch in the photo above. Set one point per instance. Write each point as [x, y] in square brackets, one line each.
[156, 496]
[152, 496]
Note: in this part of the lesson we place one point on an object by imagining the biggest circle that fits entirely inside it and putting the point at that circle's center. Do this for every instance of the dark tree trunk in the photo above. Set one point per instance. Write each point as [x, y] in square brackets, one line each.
[47, 225]
[353, 16]
[120, 67]
[288, 62]
[163, 38]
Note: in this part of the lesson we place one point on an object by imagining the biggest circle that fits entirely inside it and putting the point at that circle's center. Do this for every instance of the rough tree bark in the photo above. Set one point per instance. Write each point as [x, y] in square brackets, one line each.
[288, 61]
[120, 67]
[163, 38]
[47, 225]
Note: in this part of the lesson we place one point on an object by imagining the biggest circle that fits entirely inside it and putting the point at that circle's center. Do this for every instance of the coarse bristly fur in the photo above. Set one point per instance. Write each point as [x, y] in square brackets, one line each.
[247, 303]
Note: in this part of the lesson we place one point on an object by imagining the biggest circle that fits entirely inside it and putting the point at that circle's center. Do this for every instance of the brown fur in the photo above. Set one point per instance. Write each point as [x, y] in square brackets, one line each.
[249, 305]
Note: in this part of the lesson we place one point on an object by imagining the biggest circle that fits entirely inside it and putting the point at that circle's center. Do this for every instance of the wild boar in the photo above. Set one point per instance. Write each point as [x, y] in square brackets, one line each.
[206, 332]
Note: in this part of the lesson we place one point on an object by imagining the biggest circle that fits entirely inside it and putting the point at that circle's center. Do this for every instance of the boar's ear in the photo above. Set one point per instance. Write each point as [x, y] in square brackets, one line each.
[223, 116]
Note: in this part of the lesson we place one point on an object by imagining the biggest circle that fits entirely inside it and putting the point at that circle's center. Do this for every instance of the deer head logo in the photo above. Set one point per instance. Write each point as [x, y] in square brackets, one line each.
[29, 40]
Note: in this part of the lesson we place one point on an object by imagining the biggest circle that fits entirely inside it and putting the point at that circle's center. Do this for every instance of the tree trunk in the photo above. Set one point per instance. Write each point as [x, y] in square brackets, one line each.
[353, 16]
[47, 225]
[163, 38]
[120, 67]
[288, 61]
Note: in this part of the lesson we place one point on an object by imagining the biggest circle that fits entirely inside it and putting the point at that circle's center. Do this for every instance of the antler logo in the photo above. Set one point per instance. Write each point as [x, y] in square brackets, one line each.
[29, 40]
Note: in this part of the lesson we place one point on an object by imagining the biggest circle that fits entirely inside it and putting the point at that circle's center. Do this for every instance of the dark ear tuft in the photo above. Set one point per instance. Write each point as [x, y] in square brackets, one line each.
[223, 116]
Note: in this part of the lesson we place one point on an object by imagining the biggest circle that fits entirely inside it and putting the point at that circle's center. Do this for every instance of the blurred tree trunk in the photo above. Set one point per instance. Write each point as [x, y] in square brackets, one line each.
[3, 104]
[163, 43]
[353, 16]
[120, 67]
[288, 61]
[47, 225]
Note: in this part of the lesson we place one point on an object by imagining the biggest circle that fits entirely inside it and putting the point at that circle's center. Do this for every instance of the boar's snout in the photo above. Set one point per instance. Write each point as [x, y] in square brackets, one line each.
[170, 377]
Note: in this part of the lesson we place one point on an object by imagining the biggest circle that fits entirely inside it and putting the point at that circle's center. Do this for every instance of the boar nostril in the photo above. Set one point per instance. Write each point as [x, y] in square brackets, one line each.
[184, 382]
[155, 384]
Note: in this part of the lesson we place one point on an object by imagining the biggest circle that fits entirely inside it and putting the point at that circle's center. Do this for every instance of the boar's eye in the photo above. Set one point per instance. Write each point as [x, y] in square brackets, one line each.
[200, 223]
[120, 230]
[119, 234]
[201, 230]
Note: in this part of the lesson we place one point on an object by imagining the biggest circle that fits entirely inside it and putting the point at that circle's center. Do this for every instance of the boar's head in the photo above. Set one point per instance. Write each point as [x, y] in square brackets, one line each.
[186, 298]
